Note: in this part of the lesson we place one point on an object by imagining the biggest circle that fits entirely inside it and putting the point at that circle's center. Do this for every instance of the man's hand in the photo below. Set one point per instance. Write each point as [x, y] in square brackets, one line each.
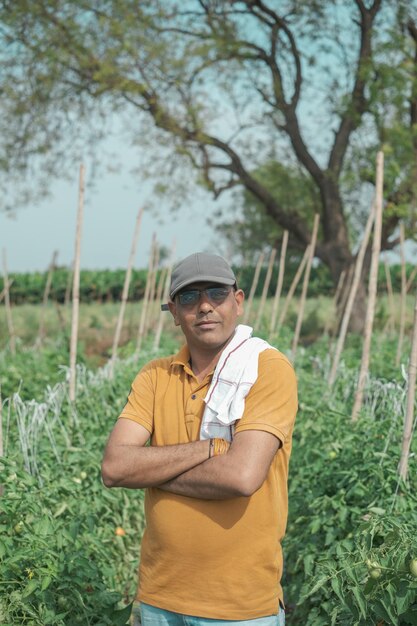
[127, 462]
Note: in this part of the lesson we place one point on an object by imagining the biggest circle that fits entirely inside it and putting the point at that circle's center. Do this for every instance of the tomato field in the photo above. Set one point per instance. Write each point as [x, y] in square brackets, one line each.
[69, 548]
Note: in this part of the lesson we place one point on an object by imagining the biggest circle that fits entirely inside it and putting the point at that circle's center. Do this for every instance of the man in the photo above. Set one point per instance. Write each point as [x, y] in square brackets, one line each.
[215, 506]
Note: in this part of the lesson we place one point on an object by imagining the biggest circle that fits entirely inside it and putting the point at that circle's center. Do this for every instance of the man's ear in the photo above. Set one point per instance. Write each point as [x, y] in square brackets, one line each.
[239, 298]
[173, 310]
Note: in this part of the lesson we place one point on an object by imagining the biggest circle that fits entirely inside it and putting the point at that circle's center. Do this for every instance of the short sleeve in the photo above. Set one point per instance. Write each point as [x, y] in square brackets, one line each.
[141, 400]
[271, 404]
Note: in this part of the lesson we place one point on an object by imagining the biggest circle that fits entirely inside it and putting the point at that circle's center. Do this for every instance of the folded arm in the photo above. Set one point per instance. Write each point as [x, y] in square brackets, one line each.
[239, 472]
[128, 462]
[185, 469]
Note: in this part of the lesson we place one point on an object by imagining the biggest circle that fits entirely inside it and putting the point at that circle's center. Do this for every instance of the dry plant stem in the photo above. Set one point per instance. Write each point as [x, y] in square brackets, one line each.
[292, 289]
[163, 314]
[145, 299]
[391, 319]
[403, 297]
[41, 334]
[411, 279]
[305, 286]
[280, 281]
[125, 292]
[351, 298]
[265, 289]
[76, 288]
[3, 291]
[372, 287]
[338, 291]
[411, 395]
[255, 280]
[8, 307]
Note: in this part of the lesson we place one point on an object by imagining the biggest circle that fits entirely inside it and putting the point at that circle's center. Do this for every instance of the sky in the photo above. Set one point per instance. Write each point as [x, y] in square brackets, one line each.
[32, 234]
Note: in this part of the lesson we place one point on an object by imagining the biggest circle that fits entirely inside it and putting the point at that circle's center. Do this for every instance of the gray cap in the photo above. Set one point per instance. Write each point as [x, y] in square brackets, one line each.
[199, 267]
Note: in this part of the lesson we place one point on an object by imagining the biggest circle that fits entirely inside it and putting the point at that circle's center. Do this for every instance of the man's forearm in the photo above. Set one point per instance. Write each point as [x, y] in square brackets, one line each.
[137, 467]
[218, 478]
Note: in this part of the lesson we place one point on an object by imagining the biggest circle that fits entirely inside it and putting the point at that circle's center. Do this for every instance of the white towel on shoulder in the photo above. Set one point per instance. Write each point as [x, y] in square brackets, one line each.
[233, 377]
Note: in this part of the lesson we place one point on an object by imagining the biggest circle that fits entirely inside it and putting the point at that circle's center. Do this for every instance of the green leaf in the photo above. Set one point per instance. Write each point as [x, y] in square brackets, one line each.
[30, 587]
[361, 602]
[45, 582]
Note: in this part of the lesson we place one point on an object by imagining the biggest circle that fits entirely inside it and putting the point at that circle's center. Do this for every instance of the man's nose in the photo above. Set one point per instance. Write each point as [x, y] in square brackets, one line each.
[204, 304]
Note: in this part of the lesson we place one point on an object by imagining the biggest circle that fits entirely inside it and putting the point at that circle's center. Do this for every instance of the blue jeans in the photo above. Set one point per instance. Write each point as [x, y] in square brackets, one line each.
[152, 616]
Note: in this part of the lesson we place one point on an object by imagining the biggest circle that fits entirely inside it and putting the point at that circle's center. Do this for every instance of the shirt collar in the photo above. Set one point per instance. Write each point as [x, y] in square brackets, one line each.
[182, 357]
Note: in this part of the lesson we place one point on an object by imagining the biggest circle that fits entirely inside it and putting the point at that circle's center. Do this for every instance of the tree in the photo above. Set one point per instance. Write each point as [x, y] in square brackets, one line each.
[230, 86]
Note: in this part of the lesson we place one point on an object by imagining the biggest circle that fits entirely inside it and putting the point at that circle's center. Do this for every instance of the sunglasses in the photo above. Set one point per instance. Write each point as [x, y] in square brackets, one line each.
[216, 295]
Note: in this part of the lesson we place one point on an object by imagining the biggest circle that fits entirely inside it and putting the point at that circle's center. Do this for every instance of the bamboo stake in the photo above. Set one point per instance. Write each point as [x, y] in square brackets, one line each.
[76, 288]
[3, 291]
[1, 434]
[411, 279]
[70, 278]
[411, 394]
[253, 287]
[338, 291]
[161, 285]
[162, 314]
[8, 307]
[151, 302]
[41, 333]
[125, 292]
[372, 286]
[391, 318]
[145, 302]
[280, 281]
[265, 289]
[352, 295]
[347, 286]
[403, 297]
[305, 285]
[292, 289]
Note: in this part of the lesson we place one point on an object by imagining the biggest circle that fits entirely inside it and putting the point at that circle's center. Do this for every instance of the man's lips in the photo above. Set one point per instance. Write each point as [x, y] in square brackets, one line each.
[206, 323]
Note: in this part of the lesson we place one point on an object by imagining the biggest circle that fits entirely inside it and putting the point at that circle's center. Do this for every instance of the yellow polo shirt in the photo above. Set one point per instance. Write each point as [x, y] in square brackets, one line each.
[219, 559]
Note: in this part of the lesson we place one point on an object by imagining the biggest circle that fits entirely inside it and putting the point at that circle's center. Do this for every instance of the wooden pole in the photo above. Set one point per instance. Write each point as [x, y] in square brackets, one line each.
[411, 279]
[8, 307]
[151, 301]
[265, 289]
[305, 285]
[253, 287]
[411, 395]
[70, 279]
[1, 434]
[338, 291]
[145, 299]
[372, 286]
[403, 297]
[3, 291]
[76, 288]
[280, 281]
[292, 289]
[41, 333]
[390, 294]
[163, 314]
[344, 295]
[352, 295]
[125, 292]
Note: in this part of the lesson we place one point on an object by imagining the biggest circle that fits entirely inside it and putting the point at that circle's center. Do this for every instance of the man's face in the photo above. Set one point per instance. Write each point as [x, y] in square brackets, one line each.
[208, 324]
